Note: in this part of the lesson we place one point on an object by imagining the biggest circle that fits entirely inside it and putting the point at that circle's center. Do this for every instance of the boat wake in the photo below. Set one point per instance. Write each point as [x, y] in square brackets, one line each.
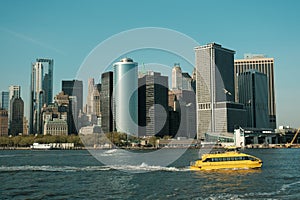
[134, 168]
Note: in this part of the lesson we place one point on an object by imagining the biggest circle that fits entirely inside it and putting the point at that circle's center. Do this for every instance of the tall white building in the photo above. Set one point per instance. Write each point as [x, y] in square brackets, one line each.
[41, 92]
[216, 110]
[126, 96]
[176, 77]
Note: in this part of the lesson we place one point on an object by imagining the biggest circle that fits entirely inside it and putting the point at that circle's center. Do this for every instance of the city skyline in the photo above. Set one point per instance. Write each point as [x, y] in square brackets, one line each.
[28, 35]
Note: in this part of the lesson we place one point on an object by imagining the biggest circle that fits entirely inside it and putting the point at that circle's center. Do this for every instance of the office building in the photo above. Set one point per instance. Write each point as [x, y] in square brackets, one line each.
[74, 88]
[5, 100]
[14, 91]
[126, 96]
[253, 93]
[106, 106]
[16, 116]
[153, 105]
[186, 81]
[89, 101]
[3, 122]
[176, 77]
[265, 66]
[56, 127]
[216, 110]
[41, 92]
[96, 109]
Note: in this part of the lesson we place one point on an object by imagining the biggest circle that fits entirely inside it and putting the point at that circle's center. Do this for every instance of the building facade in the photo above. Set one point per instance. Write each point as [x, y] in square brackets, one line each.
[56, 127]
[16, 116]
[153, 105]
[126, 96]
[5, 100]
[265, 66]
[74, 88]
[216, 110]
[106, 106]
[3, 122]
[253, 93]
[41, 92]
[176, 77]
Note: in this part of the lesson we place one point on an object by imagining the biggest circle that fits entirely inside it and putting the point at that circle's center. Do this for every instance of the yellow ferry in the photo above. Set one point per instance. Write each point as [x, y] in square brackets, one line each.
[230, 159]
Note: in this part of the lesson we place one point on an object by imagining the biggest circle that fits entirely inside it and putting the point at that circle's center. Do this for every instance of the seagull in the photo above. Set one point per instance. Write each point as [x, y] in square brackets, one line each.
[226, 91]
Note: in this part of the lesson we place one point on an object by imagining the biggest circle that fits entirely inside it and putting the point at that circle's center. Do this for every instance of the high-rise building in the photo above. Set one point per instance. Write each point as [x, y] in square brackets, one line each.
[186, 81]
[14, 91]
[41, 92]
[216, 110]
[5, 100]
[153, 105]
[265, 66]
[126, 96]
[176, 77]
[16, 116]
[253, 93]
[106, 106]
[96, 109]
[74, 88]
[3, 122]
[89, 101]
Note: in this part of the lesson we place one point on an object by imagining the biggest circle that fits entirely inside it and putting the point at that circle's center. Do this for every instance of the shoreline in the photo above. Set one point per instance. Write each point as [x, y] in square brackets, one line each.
[256, 146]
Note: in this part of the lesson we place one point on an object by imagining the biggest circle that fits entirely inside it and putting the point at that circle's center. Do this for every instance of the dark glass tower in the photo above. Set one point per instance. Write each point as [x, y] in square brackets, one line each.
[106, 102]
[153, 105]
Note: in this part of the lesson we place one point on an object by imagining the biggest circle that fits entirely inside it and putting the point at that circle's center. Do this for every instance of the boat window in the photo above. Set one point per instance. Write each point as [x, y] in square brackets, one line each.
[207, 160]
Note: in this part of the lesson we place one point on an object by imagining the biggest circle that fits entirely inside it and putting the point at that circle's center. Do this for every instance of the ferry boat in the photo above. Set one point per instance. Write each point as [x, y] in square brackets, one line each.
[231, 158]
[37, 146]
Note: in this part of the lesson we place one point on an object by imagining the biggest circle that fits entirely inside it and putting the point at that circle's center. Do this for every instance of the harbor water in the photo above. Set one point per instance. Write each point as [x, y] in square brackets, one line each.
[76, 174]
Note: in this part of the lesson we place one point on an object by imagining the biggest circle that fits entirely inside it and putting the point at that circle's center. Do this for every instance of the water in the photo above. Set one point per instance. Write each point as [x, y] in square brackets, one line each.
[78, 175]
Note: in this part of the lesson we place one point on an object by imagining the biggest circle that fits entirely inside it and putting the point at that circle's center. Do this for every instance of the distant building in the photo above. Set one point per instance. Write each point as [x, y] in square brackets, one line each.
[56, 127]
[176, 77]
[216, 110]
[25, 126]
[265, 66]
[3, 122]
[14, 91]
[126, 96]
[41, 92]
[253, 93]
[5, 100]
[89, 101]
[16, 116]
[153, 105]
[96, 107]
[106, 101]
[186, 81]
[74, 88]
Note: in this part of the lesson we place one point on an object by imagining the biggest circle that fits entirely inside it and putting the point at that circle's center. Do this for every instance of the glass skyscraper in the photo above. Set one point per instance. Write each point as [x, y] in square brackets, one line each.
[126, 96]
[265, 66]
[41, 92]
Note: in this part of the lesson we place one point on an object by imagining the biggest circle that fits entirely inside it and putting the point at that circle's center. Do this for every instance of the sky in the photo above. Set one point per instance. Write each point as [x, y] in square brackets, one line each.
[68, 30]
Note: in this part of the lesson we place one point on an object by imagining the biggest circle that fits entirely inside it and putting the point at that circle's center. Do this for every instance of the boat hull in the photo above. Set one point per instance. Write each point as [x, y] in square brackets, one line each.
[228, 165]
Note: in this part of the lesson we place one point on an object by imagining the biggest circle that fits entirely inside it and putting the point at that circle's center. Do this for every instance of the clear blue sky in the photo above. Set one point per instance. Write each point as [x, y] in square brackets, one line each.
[67, 30]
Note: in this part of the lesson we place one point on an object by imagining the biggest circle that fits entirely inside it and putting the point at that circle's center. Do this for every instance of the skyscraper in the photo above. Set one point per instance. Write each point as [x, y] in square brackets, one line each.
[126, 96]
[253, 93]
[176, 77]
[74, 88]
[14, 91]
[41, 92]
[89, 101]
[106, 106]
[16, 116]
[5, 100]
[153, 105]
[216, 110]
[265, 66]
